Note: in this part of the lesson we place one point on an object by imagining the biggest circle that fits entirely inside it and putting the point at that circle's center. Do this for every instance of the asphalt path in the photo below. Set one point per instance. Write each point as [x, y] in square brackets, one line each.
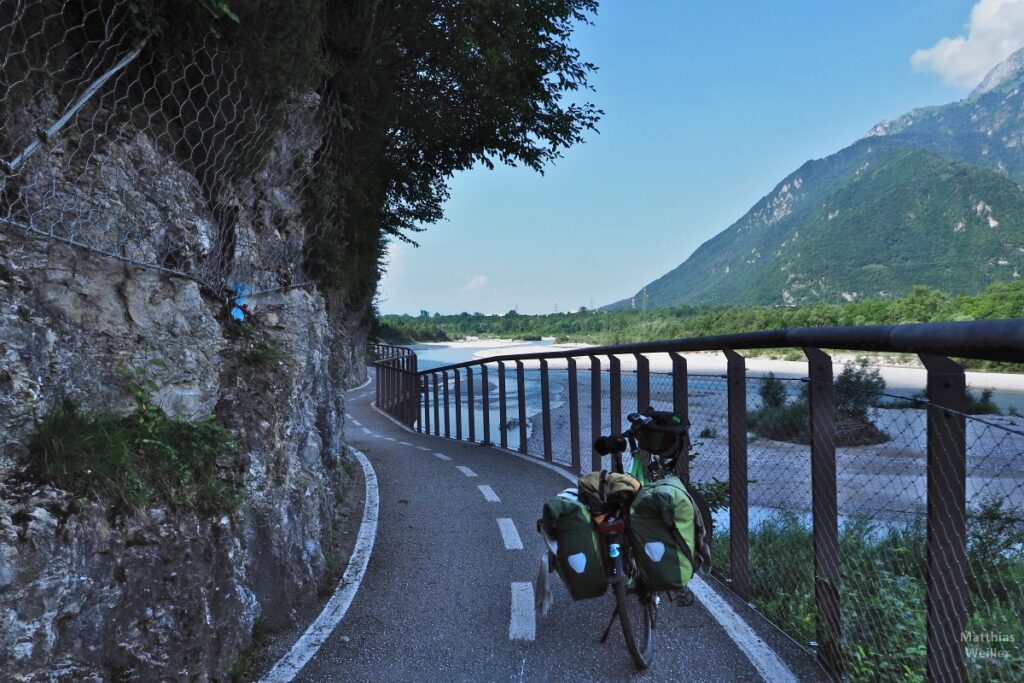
[447, 593]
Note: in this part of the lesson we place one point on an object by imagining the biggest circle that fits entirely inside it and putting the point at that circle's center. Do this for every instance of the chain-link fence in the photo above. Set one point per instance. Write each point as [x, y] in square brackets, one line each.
[878, 438]
[157, 154]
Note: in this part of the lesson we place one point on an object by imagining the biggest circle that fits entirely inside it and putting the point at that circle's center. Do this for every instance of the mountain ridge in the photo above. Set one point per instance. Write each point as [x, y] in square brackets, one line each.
[754, 259]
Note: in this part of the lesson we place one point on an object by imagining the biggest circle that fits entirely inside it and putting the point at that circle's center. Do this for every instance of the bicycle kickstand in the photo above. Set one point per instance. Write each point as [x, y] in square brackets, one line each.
[615, 613]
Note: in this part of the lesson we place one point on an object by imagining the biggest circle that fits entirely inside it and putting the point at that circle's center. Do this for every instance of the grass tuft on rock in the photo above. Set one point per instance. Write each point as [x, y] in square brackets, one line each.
[134, 461]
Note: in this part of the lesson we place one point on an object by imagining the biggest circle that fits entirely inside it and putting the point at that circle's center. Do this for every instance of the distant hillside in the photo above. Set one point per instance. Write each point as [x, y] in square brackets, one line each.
[930, 198]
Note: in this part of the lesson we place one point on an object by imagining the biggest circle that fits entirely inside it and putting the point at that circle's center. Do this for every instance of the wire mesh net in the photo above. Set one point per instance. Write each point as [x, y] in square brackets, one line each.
[155, 155]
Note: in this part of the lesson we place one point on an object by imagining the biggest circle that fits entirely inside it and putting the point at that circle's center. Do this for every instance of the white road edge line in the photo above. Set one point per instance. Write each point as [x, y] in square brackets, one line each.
[768, 664]
[489, 495]
[442, 456]
[363, 385]
[523, 624]
[465, 470]
[509, 534]
[288, 667]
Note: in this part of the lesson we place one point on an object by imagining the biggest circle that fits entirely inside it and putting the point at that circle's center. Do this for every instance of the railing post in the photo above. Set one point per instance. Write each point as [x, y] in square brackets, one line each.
[447, 412]
[485, 397]
[947, 519]
[681, 407]
[615, 389]
[521, 390]
[424, 423]
[574, 415]
[378, 379]
[437, 407]
[825, 512]
[502, 407]
[643, 382]
[458, 404]
[595, 410]
[470, 403]
[739, 540]
[545, 400]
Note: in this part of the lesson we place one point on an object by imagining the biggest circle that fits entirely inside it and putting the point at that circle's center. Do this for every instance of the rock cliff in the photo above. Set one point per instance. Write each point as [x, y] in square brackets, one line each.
[87, 593]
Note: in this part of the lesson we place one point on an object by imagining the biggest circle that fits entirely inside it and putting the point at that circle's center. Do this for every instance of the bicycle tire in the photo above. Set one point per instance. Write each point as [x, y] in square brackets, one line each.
[636, 614]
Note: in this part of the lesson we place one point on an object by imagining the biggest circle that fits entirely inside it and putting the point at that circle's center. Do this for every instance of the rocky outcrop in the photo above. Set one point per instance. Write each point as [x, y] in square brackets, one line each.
[86, 594]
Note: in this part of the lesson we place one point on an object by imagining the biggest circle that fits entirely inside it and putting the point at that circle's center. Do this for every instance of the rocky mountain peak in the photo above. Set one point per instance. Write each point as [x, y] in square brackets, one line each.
[1008, 71]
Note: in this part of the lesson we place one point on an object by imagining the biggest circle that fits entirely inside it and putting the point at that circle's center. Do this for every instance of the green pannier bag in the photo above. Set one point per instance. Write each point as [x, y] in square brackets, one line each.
[574, 542]
[662, 529]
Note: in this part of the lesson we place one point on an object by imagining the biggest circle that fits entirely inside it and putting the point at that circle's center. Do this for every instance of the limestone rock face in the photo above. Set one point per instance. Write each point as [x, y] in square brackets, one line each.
[162, 594]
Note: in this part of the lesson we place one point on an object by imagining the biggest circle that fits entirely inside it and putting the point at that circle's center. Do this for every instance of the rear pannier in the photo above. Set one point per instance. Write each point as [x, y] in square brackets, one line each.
[576, 547]
[663, 528]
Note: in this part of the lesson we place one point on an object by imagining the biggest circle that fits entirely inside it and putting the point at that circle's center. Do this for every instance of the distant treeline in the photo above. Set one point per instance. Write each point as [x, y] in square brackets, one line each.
[923, 304]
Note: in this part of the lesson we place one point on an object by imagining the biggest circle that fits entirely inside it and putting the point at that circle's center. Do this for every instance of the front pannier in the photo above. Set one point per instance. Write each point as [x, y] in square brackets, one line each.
[663, 532]
[576, 547]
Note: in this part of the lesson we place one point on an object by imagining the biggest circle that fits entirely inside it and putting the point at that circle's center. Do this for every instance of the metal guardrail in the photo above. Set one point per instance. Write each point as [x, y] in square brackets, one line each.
[424, 400]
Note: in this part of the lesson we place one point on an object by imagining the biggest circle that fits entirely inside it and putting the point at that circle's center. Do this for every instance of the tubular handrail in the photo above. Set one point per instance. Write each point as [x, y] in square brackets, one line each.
[996, 340]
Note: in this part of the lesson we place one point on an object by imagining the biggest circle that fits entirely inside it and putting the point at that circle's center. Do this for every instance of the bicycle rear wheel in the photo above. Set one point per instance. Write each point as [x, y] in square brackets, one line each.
[636, 613]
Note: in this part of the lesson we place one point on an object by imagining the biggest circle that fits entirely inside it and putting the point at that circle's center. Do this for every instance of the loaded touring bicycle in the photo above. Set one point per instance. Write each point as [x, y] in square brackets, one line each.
[644, 533]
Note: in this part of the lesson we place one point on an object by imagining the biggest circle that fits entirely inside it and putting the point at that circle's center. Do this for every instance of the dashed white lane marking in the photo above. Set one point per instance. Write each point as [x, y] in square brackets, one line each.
[348, 416]
[366, 430]
[356, 422]
[423, 448]
[388, 438]
[523, 624]
[465, 470]
[509, 534]
[489, 494]
[442, 456]
[405, 443]
[309, 643]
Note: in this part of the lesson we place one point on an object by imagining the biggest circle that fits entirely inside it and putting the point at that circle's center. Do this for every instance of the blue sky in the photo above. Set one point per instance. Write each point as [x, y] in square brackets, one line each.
[707, 106]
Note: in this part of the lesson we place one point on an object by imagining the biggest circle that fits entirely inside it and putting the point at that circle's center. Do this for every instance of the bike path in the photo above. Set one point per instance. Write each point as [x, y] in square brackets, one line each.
[436, 602]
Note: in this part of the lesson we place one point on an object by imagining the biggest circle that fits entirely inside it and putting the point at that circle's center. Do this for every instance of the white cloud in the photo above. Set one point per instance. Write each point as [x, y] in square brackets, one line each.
[475, 282]
[995, 31]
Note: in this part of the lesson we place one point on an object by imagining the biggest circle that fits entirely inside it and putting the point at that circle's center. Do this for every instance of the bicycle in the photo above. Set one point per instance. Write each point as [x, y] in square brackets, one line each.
[635, 605]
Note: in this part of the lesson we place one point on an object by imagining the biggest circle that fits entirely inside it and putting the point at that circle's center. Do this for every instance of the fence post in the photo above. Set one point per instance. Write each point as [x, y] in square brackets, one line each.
[424, 424]
[470, 407]
[574, 415]
[947, 519]
[643, 382]
[521, 390]
[615, 389]
[485, 396]
[825, 512]
[458, 404]
[437, 407]
[595, 410]
[681, 407]
[502, 407]
[739, 540]
[447, 415]
[545, 400]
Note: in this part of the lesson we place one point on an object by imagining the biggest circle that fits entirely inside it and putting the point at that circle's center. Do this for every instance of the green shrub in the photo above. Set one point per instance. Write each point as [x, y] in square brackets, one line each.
[773, 394]
[982, 405]
[137, 460]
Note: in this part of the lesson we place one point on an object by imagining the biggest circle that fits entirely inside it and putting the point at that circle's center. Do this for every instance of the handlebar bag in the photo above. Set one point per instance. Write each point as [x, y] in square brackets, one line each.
[662, 530]
[570, 534]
